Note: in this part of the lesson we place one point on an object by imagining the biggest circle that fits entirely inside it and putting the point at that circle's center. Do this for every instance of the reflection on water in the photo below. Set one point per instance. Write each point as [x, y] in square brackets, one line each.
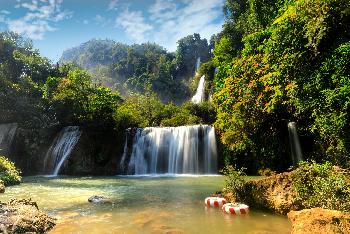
[140, 205]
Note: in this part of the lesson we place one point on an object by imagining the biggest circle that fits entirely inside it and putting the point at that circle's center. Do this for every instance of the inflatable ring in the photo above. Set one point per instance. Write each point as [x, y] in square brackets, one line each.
[235, 208]
[215, 201]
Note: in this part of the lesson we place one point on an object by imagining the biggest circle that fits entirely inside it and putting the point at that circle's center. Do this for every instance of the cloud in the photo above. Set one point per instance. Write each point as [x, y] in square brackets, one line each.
[113, 5]
[38, 19]
[134, 25]
[169, 20]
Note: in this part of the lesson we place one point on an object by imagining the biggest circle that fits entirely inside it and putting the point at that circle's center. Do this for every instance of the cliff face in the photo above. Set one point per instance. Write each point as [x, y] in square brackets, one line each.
[96, 153]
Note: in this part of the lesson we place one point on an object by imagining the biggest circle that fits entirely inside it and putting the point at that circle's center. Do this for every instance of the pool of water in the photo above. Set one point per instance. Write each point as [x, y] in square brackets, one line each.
[140, 205]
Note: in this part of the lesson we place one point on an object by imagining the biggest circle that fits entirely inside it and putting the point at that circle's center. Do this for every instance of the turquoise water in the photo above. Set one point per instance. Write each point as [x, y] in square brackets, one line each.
[140, 205]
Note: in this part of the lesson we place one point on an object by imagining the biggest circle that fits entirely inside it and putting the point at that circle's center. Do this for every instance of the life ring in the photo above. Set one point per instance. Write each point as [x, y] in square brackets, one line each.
[235, 208]
[215, 201]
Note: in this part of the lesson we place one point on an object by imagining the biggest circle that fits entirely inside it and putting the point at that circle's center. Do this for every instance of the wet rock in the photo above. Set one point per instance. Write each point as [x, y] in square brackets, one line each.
[318, 220]
[23, 216]
[272, 193]
[99, 199]
[2, 187]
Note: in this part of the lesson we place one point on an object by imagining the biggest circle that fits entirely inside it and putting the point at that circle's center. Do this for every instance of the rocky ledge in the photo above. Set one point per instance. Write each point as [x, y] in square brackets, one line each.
[273, 193]
[318, 220]
[23, 216]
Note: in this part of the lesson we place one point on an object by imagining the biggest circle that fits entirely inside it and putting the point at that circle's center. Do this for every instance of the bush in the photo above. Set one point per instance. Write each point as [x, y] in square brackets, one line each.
[8, 172]
[322, 185]
[266, 172]
[234, 180]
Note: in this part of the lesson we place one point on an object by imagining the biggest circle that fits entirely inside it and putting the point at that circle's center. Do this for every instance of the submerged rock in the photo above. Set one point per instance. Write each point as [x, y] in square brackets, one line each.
[23, 216]
[2, 187]
[272, 193]
[318, 220]
[99, 199]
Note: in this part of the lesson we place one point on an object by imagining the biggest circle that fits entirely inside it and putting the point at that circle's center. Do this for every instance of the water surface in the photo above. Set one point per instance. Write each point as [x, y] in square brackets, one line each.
[140, 205]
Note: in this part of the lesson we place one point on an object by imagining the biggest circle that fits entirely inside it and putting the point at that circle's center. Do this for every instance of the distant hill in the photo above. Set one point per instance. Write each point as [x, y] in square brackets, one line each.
[135, 68]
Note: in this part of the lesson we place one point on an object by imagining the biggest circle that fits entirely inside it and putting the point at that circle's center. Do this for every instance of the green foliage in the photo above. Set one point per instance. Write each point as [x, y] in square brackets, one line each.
[234, 180]
[77, 100]
[22, 72]
[9, 174]
[147, 110]
[133, 68]
[322, 185]
[293, 65]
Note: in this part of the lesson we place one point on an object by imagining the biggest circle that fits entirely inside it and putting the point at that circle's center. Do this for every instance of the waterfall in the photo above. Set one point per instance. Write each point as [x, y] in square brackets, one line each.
[60, 149]
[200, 93]
[7, 133]
[198, 63]
[294, 143]
[174, 150]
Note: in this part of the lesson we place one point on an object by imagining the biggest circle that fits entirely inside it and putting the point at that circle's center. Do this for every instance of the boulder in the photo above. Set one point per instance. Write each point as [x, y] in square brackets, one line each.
[271, 193]
[318, 220]
[23, 216]
[99, 199]
[2, 186]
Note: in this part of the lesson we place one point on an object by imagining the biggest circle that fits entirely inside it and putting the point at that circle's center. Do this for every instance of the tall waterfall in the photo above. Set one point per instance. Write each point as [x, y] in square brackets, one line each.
[198, 63]
[294, 143]
[174, 150]
[7, 133]
[200, 93]
[60, 149]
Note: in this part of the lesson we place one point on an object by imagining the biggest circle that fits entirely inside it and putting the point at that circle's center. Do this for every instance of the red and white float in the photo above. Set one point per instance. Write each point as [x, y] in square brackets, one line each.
[235, 208]
[215, 201]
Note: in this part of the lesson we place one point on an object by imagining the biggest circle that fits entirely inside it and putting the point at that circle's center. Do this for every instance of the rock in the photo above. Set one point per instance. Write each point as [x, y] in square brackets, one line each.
[2, 187]
[23, 216]
[318, 220]
[99, 199]
[272, 193]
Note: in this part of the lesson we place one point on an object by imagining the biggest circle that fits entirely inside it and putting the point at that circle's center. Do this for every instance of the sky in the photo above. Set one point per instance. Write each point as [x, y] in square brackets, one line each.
[56, 25]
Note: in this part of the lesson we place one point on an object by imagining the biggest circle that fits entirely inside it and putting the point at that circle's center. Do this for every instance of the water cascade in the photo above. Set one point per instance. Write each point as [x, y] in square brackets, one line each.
[198, 63]
[294, 143]
[60, 149]
[200, 93]
[7, 133]
[174, 150]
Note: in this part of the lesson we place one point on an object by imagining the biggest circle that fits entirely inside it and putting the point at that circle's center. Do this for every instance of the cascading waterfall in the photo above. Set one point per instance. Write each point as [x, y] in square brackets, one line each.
[174, 150]
[198, 63]
[7, 133]
[200, 93]
[294, 143]
[60, 149]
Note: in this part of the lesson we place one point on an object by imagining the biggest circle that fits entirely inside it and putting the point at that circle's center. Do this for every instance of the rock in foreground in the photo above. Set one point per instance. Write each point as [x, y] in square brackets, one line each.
[99, 199]
[318, 220]
[23, 216]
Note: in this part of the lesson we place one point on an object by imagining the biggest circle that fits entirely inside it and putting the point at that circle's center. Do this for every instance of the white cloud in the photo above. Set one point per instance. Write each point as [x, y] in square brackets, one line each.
[134, 25]
[85, 22]
[113, 5]
[169, 20]
[39, 17]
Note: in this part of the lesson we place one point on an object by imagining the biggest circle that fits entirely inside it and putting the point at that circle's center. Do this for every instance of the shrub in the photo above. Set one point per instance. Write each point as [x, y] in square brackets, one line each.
[8, 172]
[234, 180]
[322, 185]
[266, 172]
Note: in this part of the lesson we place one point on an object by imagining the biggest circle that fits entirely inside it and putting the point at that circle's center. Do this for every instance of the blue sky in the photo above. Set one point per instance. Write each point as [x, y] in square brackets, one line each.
[56, 25]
